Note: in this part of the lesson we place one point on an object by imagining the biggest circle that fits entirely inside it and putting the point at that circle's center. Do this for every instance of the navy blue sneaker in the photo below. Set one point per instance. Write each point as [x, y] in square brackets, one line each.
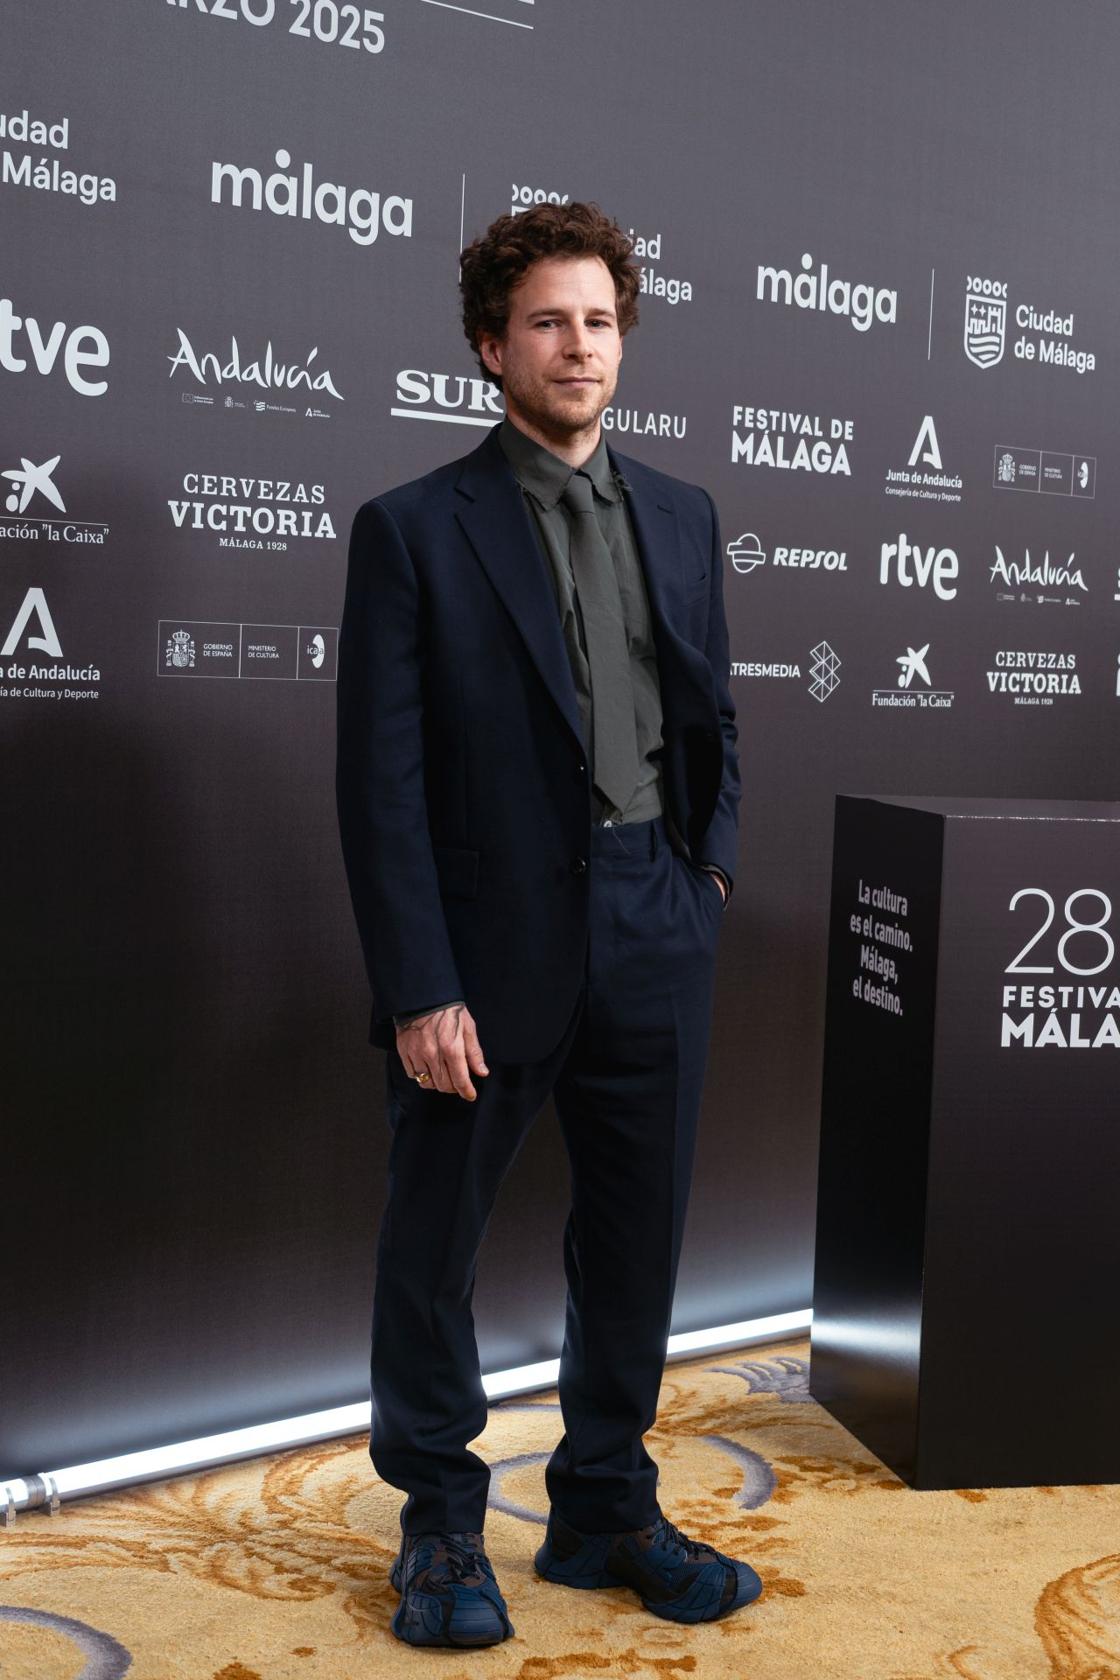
[681, 1579]
[448, 1592]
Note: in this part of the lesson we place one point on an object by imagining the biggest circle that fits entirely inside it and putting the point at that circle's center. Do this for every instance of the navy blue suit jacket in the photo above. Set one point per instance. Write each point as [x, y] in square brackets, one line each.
[462, 778]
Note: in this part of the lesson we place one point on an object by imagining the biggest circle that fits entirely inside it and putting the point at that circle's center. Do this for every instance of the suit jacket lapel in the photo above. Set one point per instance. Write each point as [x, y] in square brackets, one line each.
[655, 523]
[689, 706]
[684, 675]
[498, 527]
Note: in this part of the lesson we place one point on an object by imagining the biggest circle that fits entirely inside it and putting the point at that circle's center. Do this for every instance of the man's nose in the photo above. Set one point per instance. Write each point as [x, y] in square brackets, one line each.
[579, 342]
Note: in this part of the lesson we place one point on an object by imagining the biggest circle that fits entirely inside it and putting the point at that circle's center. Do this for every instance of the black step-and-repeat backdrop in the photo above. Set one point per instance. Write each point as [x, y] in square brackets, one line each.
[879, 322]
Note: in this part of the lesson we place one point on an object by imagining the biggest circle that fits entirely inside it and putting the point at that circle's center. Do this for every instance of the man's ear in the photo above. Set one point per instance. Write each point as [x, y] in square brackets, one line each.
[490, 349]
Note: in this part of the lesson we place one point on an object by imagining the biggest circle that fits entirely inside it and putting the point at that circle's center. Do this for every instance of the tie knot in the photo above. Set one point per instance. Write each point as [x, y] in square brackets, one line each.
[579, 494]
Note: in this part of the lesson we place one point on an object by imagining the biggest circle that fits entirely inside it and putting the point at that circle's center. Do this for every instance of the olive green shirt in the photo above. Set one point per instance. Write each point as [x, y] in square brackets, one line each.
[543, 478]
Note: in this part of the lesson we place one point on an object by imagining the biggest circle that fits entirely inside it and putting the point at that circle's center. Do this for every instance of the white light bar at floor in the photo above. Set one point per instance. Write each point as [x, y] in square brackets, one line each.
[524, 1379]
[154, 1463]
[740, 1335]
[158, 1462]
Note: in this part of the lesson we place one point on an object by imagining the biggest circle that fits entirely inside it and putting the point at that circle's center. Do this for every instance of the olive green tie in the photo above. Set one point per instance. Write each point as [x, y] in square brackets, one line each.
[614, 750]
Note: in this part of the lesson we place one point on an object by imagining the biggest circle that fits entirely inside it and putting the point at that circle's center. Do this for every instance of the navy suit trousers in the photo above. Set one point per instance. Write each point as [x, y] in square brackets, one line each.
[626, 1080]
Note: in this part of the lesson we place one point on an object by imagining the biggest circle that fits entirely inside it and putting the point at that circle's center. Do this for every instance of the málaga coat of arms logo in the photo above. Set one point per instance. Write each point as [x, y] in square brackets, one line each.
[985, 321]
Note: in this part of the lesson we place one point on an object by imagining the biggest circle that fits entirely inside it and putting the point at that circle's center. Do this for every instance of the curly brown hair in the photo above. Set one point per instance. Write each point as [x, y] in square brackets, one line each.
[497, 263]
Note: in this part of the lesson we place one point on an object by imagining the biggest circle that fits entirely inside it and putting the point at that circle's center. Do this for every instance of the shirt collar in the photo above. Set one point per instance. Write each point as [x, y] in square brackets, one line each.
[544, 475]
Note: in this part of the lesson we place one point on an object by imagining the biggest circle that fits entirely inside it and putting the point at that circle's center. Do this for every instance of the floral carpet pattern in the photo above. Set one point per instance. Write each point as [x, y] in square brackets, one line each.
[277, 1569]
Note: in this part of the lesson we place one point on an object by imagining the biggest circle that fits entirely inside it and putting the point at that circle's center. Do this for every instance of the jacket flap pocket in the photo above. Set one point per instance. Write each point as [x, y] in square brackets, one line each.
[695, 583]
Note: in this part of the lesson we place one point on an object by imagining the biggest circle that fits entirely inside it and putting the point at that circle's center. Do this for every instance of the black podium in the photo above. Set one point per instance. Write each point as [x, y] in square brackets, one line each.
[967, 1299]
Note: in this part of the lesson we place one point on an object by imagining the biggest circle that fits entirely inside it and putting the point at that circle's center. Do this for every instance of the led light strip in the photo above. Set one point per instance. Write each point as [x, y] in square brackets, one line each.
[210, 1450]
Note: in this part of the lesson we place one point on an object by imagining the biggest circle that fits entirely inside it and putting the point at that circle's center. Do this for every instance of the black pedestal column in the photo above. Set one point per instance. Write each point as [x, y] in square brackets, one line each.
[968, 1236]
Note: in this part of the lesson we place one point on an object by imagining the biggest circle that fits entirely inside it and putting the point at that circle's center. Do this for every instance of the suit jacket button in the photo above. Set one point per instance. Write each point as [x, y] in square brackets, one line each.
[578, 865]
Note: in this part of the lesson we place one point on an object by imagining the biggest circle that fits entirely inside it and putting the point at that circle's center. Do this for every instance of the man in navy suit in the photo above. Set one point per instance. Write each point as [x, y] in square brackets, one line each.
[538, 796]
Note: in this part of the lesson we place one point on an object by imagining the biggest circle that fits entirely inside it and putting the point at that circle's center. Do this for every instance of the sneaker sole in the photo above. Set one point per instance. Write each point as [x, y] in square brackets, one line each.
[413, 1632]
[750, 1588]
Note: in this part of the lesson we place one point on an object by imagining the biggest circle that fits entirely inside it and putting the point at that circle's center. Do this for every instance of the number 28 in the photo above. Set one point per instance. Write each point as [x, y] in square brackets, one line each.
[1074, 928]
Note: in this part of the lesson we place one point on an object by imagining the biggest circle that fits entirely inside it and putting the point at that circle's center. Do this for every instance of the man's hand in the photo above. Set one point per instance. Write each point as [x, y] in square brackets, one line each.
[718, 879]
[444, 1045]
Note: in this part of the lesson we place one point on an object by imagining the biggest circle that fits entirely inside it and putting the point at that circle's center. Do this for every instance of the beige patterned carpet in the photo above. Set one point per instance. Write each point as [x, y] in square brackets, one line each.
[276, 1569]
